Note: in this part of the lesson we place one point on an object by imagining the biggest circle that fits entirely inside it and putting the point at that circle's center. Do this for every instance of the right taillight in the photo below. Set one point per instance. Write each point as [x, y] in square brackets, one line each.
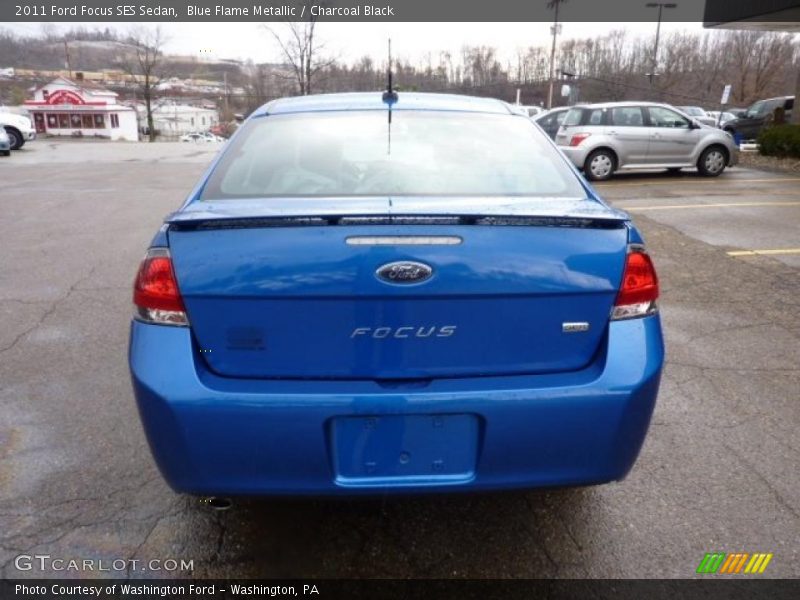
[576, 139]
[638, 291]
[156, 296]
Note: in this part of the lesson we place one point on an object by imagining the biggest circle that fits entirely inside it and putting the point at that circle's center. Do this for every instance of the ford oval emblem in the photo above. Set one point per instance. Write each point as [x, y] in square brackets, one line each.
[404, 272]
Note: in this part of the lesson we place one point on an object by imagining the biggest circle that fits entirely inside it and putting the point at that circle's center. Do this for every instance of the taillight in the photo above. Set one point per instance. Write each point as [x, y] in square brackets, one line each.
[576, 139]
[638, 291]
[155, 292]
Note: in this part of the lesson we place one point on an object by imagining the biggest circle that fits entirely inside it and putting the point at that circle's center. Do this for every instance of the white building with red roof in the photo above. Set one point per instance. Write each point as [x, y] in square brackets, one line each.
[79, 108]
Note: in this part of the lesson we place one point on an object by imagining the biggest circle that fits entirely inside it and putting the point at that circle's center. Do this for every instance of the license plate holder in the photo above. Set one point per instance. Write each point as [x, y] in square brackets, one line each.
[404, 449]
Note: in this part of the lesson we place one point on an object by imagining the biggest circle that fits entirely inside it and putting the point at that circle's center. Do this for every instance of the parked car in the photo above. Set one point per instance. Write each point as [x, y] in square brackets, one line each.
[193, 137]
[18, 128]
[698, 114]
[720, 118]
[533, 111]
[322, 316]
[757, 116]
[5, 143]
[210, 137]
[604, 138]
[551, 120]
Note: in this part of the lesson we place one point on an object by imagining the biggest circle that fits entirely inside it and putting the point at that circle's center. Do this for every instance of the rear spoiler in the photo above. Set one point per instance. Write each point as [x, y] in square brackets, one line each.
[294, 212]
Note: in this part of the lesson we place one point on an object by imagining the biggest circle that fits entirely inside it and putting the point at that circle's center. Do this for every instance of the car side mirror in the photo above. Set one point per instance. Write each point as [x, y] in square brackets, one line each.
[694, 124]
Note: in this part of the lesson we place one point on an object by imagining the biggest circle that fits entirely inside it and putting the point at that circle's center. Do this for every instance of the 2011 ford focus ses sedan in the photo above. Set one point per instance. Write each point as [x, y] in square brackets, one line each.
[404, 293]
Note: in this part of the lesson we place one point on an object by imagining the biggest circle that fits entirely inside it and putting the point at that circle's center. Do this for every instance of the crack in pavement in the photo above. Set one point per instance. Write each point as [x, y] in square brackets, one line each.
[50, 310]
[778, 496]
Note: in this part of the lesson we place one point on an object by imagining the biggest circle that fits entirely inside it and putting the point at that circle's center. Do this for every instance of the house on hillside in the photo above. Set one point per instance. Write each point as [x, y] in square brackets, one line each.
[173, 119]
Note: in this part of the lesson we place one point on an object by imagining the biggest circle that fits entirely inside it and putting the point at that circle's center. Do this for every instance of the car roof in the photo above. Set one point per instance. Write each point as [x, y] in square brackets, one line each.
[374, 101]
[624, 103]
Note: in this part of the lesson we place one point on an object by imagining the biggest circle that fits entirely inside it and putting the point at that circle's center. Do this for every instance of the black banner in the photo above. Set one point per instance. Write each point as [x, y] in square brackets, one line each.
[727, 588]
[384, 10]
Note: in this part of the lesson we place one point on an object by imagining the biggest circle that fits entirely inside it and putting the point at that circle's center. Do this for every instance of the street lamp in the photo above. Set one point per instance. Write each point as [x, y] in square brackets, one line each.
[555, 29]
[661, 6]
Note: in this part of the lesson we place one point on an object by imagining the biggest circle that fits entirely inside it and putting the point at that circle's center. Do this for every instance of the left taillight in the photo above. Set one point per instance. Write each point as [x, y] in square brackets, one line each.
[156, 296]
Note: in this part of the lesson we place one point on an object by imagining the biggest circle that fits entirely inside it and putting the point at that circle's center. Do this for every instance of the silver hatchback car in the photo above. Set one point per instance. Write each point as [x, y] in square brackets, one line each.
[604, 138]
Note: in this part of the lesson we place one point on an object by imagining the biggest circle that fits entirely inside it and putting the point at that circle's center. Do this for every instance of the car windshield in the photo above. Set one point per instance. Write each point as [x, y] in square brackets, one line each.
[352, 154]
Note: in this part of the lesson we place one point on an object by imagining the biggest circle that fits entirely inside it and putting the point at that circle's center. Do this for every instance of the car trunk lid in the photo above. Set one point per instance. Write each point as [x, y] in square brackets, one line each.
[514, 287]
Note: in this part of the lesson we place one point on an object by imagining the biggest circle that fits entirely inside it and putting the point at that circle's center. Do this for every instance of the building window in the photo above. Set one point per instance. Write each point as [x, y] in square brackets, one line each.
[75, 120]
[114, 120]
[192, 121]
[88, 122]
[52, 121]
[99, 122]
[204, 120]
[63, 121]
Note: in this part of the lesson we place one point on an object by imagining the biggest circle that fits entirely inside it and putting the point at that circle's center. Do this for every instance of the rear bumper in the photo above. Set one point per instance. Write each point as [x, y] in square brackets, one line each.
[216, 436]
[577, 154]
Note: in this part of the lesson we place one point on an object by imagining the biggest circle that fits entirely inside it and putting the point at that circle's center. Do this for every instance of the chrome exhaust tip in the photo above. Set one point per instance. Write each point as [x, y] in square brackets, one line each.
[217, 503]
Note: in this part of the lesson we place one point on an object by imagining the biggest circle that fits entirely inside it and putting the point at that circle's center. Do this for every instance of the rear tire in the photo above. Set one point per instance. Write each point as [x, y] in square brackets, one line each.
[600, 165]
[17, 141]
[712, 161]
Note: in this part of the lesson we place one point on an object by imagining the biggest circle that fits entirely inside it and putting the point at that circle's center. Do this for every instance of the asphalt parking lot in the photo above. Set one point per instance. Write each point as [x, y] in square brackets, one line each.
[718, 472]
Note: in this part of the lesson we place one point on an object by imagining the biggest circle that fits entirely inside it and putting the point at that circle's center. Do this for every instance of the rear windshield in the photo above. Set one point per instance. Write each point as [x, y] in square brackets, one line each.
[428, 153]
[763, 107]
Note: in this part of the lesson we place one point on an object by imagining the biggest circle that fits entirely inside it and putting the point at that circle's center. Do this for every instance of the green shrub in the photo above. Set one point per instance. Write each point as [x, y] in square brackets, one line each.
[780, 140]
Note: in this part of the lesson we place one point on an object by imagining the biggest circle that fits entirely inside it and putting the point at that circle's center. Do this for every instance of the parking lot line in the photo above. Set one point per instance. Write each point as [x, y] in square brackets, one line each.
[693, 182]
[773, 252]
[713, 205]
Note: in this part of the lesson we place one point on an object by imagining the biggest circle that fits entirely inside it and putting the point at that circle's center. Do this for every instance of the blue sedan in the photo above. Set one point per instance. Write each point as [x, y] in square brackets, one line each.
[369, 294]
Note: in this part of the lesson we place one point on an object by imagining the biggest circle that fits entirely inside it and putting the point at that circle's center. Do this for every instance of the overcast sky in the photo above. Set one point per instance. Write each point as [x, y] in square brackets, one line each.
[349, 41]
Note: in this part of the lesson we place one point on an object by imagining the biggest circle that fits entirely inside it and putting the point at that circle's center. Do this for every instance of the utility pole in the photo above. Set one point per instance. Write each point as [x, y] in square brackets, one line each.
[67, 64]
[661, 6]
[555, 30]
[225, 80]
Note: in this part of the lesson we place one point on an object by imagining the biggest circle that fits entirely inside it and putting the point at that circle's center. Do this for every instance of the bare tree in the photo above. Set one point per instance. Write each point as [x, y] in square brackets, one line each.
[302, 51]
[145, 65]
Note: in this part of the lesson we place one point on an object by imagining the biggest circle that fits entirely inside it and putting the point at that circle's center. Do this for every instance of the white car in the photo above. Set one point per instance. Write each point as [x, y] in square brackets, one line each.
[193, 137]
[698, 114]
[18, 128]
[726, 116]
[533, 111]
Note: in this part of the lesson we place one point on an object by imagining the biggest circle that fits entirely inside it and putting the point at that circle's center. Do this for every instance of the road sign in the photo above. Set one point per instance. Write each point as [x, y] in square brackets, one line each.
[726, 93]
